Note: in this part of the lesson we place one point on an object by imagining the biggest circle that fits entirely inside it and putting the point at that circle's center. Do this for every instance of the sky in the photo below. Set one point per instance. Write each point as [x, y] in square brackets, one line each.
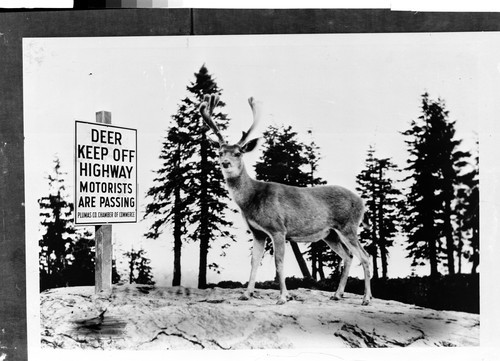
[352, 91]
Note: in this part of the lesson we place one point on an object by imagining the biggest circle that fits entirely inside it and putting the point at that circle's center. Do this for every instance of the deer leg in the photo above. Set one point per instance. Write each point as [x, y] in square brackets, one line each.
[279, 257]
[350, 239]
[259, 243]
[333, 241]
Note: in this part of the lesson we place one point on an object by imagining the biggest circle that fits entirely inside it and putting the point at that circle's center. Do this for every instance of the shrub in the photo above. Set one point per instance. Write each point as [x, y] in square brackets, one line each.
[455, 293]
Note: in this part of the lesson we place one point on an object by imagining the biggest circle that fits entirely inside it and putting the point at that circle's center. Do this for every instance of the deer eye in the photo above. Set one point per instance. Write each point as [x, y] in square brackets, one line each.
[237, 154]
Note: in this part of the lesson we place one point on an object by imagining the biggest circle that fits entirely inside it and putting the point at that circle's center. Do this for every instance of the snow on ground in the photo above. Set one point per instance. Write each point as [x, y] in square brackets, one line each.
[177, 318]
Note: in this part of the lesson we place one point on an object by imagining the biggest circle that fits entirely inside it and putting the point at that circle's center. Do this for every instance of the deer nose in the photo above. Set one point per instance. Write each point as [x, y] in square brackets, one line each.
[225, 164]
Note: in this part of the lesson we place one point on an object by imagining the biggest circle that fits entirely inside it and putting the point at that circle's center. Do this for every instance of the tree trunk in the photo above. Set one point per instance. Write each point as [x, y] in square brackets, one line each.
[314, 260]
[460, 246]
[475, 252]
[433, 256]
[375, 242]
[450, 244]
[381, 230]
[374, 254]
[475, 262]
[202, 275]
[204, 235]
[450, 254]
[300, 260]
[320, 267]
[430, 233]
[176, 281]
[131, 266]
[383, 258]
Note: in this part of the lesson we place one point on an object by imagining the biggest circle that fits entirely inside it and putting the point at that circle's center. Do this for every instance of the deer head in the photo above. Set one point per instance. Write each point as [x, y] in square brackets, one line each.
[230, 155]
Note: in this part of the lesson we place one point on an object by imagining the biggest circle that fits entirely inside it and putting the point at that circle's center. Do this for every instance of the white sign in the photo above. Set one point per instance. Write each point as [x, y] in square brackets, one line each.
[105, 174]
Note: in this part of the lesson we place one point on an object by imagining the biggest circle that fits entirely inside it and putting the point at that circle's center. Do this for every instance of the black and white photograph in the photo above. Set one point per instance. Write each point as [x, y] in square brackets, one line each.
[234, 195]
[351, 199]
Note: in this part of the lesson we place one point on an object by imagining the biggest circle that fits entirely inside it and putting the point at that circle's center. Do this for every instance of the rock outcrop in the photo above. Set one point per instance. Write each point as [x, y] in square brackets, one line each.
[149, 318]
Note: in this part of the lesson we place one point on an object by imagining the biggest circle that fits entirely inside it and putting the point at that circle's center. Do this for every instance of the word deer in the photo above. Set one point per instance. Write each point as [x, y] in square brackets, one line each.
[281, 212]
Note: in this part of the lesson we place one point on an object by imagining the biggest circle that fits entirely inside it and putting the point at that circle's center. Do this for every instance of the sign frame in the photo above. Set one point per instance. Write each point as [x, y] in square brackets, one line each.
[135, 186]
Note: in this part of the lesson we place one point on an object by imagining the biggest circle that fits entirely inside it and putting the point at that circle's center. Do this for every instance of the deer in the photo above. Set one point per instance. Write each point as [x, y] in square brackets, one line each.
[283, 213]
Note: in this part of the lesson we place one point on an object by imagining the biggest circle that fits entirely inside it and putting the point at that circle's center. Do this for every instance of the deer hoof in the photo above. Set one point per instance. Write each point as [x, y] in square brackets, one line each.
[281, 302]
[245, 297]
[336, 297]
[365, 302]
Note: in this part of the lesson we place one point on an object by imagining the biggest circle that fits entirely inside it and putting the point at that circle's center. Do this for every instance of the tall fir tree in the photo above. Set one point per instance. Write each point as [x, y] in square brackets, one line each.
[450, 161]
[472, 213]
[170, 198]
[472, 223]
[56, 244]
[383, 204]
[433, 165]
[467, 214]
[189, 191]
[207, 182]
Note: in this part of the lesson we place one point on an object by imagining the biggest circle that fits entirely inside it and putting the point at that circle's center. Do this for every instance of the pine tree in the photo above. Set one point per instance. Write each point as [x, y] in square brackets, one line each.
[115, 276]
[284, 161]
[450, 161]
[472, 222]
[467, 213]
[81, 270]
[56, 243]
[170, 198]
[207, 182]
[433, 164]
[383, 203]
[140, 271]
[367, 189]
[189, 191]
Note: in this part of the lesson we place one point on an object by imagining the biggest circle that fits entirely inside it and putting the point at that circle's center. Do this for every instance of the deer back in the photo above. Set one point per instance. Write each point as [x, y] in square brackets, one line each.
[301, 211]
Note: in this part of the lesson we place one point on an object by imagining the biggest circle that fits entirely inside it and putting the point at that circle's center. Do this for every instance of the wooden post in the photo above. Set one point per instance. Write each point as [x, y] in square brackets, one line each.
[103, 240]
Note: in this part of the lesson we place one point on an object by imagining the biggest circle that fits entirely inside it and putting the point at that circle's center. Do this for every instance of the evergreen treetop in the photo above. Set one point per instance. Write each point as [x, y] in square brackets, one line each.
[189, 191]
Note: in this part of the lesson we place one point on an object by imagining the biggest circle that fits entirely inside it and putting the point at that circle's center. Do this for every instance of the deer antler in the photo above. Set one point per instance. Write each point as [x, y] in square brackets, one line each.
[206, 109]
[256, 118]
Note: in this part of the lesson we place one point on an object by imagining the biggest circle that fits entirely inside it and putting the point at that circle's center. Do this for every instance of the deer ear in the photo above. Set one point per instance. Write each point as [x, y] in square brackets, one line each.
[250, 145]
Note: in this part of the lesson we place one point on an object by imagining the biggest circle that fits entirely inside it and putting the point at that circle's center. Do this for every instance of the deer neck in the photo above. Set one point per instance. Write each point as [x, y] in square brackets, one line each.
[242, 188]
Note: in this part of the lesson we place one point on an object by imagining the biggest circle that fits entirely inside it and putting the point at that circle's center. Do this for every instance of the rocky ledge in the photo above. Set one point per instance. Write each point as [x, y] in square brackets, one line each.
[150, 318]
